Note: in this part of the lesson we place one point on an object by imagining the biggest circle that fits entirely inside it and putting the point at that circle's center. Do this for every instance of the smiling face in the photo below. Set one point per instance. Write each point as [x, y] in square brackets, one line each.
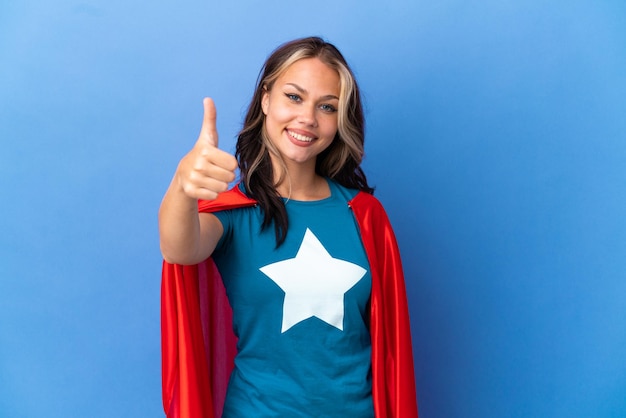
[301, 112]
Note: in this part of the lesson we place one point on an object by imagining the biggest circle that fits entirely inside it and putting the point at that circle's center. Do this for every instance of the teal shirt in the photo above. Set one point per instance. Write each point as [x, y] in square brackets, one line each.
[300, 312]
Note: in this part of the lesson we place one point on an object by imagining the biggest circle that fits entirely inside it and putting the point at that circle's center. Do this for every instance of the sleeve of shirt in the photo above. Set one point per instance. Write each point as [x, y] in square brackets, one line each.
[225, 218]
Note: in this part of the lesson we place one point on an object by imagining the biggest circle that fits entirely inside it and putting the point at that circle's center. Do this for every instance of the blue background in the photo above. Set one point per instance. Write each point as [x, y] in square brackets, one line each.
[496, 138]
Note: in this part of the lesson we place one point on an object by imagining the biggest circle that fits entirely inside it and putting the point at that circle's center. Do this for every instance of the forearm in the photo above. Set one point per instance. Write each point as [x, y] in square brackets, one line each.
[179, 226]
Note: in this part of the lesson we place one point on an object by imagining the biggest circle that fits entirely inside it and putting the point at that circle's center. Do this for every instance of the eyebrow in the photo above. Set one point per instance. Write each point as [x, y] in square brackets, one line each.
[303, 91]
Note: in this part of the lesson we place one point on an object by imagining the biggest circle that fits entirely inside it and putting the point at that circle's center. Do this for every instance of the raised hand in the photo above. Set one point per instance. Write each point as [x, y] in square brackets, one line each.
[206, 170]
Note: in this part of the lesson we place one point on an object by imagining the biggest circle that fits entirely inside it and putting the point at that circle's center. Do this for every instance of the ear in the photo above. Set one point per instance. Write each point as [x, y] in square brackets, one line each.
[265, 100]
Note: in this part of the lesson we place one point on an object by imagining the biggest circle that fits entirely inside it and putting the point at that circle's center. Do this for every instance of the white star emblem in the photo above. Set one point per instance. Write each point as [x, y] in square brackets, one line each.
[314, 283]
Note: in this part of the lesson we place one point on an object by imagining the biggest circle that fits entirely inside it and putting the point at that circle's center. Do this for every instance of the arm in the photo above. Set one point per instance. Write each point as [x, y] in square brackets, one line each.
[187, 237]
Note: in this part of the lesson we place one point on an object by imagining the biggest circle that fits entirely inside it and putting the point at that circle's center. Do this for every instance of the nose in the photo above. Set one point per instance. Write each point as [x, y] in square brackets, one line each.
[307, 115]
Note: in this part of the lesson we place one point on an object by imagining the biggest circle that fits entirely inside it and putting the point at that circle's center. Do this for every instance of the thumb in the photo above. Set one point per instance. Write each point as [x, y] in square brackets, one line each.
[209, 129]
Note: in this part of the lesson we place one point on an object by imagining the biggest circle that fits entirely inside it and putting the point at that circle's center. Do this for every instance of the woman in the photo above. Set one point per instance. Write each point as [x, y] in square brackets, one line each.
[307, 258]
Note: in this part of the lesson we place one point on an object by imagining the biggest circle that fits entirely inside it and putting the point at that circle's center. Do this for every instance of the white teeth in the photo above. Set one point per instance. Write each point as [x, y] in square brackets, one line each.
[300, 137]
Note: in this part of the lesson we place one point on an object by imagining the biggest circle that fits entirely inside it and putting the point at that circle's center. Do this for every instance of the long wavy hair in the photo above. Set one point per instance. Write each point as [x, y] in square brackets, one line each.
[340, 161]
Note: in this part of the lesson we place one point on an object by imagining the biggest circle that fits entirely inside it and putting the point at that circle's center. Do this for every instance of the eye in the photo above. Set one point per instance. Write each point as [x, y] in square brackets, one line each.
[328, 108]
[293, 97]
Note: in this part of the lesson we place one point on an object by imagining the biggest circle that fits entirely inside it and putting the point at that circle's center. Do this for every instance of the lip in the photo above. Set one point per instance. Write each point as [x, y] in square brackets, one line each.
[299, 141]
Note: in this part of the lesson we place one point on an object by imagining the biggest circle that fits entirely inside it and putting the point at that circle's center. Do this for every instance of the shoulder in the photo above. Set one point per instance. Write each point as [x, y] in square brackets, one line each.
[367, 202]
[368, 211]
[337, 188]
[231, 199]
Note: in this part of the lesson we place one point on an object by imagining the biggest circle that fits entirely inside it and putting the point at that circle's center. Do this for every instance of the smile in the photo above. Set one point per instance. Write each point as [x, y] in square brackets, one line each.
[301, 138]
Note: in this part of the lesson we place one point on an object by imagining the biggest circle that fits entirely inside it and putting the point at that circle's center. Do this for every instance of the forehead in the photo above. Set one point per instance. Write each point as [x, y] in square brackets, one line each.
[311, 73]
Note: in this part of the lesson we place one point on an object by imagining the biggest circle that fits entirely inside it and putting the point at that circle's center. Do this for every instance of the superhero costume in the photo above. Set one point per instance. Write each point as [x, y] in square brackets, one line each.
[199, 346]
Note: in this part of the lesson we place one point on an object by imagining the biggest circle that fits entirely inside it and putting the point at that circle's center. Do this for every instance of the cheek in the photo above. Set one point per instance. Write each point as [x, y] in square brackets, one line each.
[275, 122]
[277, 117]
[279, 114]
[330, 128]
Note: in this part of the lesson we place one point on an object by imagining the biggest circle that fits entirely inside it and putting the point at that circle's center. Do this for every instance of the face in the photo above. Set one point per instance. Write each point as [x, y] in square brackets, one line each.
[301, 112]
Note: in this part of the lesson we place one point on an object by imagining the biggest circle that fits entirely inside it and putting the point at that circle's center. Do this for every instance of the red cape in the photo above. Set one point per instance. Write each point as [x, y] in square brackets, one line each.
[198, 344]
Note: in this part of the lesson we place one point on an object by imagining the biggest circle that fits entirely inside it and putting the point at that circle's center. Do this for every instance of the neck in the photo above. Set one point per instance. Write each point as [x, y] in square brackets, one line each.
[301, 184]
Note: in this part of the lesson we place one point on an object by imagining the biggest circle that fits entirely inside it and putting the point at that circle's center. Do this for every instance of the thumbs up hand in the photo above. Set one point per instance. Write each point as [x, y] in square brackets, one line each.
[206, 170]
